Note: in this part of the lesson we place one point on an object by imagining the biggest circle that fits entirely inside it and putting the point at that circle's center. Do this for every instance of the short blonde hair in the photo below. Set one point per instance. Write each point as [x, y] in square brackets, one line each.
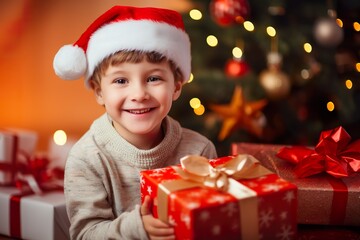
[134, 56]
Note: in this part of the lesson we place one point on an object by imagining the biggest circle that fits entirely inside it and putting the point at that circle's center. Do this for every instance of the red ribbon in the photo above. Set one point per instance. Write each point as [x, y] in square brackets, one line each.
[15, 219]
[32, 177]
[15, 209]
[334, 154]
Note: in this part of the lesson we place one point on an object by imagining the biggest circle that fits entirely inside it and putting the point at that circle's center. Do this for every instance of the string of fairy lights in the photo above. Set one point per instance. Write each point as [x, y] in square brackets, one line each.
[212, 41]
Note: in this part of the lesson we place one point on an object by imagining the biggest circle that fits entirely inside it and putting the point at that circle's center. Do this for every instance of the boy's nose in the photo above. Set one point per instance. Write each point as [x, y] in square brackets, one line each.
[139, 92]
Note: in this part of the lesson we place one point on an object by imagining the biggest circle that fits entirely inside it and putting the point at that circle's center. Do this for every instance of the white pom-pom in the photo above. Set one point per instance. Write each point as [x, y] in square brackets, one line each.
[70, 62]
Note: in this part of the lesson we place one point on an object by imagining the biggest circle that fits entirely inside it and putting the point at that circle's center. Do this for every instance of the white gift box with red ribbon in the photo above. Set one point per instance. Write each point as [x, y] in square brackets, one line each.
[31, 216]
[15, 145]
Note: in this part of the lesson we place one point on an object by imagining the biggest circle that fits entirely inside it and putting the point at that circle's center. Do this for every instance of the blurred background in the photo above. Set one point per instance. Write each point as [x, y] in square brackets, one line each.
[264, 71]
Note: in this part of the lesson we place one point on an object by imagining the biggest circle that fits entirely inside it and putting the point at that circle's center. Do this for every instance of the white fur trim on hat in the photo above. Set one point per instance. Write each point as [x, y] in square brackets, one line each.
[70, 62]
[143, 35]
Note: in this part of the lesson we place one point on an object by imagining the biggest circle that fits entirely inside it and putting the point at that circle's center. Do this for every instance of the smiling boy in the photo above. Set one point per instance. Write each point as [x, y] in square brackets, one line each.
[136, 61]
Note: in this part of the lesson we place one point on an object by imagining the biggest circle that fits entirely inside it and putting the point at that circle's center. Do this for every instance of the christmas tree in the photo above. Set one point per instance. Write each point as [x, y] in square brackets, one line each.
[276, 72]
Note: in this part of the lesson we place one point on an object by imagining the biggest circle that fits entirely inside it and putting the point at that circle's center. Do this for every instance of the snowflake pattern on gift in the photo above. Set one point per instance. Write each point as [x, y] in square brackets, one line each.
[204, 215]
[286, 233]
[196, 208]
[220, 199]
[193, 205]
[230, 209]
[289, 196]
[159, 172]
[149, 190]
[253, 184]
[186, 219]
[142, 181]
[172, 220]
[195, 194]
[266, 218]
[283, 215]
[271, 187]
[216, 230]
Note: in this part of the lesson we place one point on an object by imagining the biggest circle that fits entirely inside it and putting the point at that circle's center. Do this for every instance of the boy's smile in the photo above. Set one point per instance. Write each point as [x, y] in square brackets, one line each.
[139, 111]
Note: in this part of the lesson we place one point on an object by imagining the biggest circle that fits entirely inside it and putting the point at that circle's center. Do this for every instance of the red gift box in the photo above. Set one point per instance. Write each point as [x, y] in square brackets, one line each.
[322, 199]
[264, 207]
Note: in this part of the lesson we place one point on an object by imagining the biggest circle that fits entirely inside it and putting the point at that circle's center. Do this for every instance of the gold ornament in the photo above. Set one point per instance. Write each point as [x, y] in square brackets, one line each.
[275, 82]
[240, 114]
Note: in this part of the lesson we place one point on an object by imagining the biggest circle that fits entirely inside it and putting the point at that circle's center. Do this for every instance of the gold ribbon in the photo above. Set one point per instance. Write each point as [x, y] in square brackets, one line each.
[196, 171]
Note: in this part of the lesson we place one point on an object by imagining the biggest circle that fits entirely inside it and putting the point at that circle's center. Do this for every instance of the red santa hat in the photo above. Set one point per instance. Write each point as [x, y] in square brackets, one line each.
[126, 28]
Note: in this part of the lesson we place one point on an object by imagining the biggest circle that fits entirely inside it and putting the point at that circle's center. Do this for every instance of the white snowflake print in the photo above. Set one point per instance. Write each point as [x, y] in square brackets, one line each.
[261, 178]
[193, 205]
[283, 215]
[271, 187]
[158, 172]
[216, 230]
[172, 220]
[217, 199]
[289, 196]
[142, 181]
[266, 217]
[253, 184]
[186, 219]
[149, 190]
[286, 233]
[229, 209]
[235, 226]
[204, 216]
[195, 194]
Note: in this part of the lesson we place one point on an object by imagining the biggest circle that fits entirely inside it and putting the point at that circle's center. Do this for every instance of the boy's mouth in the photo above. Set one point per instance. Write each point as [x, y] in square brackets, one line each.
[139, 111]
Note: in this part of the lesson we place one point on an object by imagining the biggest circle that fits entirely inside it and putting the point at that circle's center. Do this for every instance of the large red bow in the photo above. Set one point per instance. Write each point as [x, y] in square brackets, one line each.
[334, 154]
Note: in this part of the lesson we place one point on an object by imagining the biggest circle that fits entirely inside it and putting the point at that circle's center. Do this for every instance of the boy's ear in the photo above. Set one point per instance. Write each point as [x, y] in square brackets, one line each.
[97, 92]
[177, 91]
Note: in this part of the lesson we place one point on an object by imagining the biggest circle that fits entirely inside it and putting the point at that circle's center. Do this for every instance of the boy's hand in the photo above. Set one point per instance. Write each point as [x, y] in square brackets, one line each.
[155, 228]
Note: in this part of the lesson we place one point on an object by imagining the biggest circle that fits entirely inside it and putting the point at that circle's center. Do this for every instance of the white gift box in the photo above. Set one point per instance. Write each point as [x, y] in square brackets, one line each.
[14, 145]
[42, 217]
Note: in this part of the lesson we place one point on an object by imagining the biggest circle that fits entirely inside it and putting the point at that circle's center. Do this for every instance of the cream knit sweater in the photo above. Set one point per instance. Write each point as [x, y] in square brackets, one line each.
[102, 186]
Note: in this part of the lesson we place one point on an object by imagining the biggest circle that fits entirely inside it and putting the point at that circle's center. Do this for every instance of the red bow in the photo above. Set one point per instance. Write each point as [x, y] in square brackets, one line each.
[34, 173]
[334, 154]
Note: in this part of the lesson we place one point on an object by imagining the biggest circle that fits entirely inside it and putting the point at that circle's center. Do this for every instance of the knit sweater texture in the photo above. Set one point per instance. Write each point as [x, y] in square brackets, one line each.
[102, 177]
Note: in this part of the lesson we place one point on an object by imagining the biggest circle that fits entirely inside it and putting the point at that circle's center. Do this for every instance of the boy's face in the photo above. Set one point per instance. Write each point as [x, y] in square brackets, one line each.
[138, 96]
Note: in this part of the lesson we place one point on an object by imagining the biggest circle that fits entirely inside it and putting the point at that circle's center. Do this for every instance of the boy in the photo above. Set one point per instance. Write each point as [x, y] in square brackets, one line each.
[136, 61]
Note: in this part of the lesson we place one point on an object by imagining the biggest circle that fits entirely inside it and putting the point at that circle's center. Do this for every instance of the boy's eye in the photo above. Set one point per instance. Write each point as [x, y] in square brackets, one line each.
[120, 81]
[153, 79]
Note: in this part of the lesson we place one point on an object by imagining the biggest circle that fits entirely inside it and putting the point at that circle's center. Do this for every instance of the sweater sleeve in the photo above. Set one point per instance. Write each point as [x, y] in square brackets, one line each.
[89, 206]
[209, 151]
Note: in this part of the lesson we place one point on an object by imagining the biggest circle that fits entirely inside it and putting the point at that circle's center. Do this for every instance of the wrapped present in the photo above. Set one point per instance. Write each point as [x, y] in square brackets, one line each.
[30, 216]
[15, 145]
[322, 198]
[232, 197]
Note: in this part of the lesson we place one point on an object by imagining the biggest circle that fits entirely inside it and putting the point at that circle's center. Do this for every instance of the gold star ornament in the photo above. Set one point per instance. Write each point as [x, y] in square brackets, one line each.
[240, 114]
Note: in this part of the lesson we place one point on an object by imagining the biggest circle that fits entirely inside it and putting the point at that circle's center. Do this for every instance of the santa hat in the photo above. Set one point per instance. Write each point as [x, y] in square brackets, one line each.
[126, 28]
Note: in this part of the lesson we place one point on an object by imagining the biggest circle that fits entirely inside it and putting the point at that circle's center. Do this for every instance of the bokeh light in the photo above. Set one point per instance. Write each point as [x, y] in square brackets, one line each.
[60, 137]
[195, 14]
[212, 41]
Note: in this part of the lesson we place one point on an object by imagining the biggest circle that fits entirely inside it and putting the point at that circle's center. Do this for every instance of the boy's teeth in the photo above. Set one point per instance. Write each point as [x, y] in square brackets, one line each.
[140, 111]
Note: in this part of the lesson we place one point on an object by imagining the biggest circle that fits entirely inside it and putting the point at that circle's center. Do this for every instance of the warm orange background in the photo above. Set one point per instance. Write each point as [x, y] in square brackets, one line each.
[31, 95]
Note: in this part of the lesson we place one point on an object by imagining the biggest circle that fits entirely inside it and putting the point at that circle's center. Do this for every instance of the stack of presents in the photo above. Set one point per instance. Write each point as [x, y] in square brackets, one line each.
[259, 191]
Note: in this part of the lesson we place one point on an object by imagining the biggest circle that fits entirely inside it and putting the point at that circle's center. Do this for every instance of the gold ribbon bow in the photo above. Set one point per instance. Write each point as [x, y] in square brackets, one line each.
[196, 171]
